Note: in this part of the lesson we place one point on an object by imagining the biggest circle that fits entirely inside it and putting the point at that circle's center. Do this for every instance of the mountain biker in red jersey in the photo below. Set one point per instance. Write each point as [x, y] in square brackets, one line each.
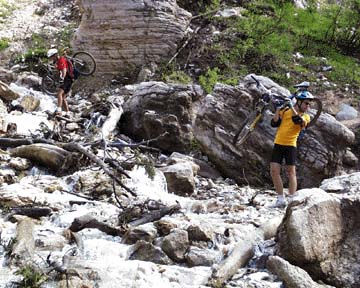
[290, 122]
[66, 77]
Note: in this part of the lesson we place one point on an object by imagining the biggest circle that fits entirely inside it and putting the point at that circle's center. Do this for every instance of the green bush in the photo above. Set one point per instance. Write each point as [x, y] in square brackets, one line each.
[177, 77]
[209, 80]
[4, 43]
[32, 278]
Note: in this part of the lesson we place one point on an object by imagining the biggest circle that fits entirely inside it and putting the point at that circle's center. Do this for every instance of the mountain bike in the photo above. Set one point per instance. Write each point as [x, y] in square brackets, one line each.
[270, 100]
[83, 62]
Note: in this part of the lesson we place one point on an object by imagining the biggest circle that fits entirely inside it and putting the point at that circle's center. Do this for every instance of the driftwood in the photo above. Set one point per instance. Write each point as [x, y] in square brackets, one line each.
[98, 161]
[33, 212]
[87, 221]
[16, 142]
[111, 122]
[23, 249]
[238, 258]
[155, 215]
[47, 155]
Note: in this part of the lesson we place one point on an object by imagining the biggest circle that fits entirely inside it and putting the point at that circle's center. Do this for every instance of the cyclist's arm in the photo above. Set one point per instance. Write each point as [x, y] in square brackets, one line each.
[63, 73]
[276, 120]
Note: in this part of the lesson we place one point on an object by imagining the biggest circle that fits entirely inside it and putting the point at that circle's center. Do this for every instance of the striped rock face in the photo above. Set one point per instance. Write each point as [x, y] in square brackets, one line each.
[124, 35]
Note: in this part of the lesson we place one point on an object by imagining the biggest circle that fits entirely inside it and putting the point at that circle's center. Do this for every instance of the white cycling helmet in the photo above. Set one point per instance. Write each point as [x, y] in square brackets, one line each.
[52, 52]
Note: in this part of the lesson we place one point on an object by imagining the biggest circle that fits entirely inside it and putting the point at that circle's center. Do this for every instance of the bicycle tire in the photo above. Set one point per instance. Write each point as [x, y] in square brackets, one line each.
[49, 85]
[88, 65]
[318, 112]
[246, 128]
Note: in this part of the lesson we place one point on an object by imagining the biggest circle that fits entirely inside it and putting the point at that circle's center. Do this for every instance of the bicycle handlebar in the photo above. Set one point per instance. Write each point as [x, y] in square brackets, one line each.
[271, 94]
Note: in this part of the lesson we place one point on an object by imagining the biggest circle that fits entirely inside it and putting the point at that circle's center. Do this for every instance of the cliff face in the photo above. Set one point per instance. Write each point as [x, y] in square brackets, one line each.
[126, 34]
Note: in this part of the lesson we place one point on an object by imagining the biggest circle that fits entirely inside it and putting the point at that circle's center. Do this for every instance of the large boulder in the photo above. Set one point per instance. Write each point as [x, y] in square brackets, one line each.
[320, 233]
[154, 108]
[320, 152]
[124, 35]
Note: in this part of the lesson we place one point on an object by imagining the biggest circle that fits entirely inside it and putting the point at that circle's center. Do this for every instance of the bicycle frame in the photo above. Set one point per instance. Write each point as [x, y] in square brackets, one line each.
[267, 99]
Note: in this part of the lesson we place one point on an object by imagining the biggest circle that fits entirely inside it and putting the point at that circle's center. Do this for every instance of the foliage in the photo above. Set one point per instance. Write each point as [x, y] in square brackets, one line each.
[4, 43]
[64, 36]
[266, 39]
[177, 77]
[209, 80]
[32, 278]
[145, 161]
[5, 10]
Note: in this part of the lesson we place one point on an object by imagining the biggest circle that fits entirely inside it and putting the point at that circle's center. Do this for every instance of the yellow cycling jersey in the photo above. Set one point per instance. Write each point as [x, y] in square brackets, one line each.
[288, 131]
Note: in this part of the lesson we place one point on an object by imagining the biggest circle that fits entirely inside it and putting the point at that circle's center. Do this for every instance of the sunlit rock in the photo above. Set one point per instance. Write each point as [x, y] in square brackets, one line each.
[321, 234]
[176, 244]
[292, 276]
[202, 257]
[6, 93]
[30, 103]
[180, 178]
[123, 35]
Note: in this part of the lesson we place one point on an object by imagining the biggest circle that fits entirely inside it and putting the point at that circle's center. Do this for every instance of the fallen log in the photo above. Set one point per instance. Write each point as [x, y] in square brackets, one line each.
[23, 249]
[47, 155]
[32, 212]
[110, 123]
[16, 142]
[238, 258]
[155, 215]
[87, 221]
[98, 161]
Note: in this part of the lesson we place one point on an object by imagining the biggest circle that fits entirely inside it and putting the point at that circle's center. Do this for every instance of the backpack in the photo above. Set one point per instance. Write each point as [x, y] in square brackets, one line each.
[73, 72]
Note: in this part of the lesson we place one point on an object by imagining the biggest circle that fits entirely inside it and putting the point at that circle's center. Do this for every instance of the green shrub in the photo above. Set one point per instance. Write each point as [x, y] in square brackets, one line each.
[177, 77]
[4, 43]
[5, 10]
[209, 80]
[32, 278]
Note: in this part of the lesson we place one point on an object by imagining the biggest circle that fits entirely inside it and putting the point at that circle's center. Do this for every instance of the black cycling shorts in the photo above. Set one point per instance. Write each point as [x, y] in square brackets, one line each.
[66, 86]
[281, 152]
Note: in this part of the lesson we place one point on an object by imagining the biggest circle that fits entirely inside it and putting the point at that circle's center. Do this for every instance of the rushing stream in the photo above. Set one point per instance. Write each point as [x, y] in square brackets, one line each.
[104, 256]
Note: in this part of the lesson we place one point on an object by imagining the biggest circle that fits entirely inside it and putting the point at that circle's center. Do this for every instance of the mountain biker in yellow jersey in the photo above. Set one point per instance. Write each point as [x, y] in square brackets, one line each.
[290, 122]
[66, 77]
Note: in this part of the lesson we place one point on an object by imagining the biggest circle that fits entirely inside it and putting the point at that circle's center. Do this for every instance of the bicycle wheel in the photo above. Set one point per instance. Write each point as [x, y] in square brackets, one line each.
[84, 62]
[318, 108]
[49, 85]
[246, 128]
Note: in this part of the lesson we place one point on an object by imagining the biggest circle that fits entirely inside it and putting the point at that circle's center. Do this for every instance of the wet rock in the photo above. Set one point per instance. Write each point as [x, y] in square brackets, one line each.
[292, 276]
[145, 232]
[19, 164]
[6, 93]
[180, 179]
[176, 244]
[202, 257]
[164, 227]
[145, 251]
[197, 233]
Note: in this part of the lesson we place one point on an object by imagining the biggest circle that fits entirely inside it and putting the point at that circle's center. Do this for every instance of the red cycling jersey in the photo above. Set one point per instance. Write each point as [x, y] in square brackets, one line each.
[64, 63]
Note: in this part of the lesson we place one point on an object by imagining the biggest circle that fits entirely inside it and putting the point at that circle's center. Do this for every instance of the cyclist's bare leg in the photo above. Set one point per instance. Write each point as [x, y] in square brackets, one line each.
[60, 97]
[291, 173]
[65, 103]
[275, 170]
